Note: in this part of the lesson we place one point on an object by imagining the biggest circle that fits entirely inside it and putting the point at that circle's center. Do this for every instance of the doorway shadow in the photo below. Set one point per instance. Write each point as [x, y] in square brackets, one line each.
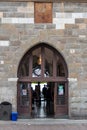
[43, 102]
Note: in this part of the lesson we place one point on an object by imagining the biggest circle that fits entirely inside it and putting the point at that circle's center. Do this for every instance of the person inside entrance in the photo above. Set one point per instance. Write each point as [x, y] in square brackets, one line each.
[43, 101]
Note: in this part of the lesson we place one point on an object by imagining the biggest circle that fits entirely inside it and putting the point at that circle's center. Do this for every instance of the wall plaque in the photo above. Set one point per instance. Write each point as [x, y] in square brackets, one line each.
[43, 13]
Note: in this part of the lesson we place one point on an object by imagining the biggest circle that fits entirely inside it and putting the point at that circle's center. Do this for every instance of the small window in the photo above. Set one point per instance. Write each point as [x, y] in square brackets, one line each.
[43, 12]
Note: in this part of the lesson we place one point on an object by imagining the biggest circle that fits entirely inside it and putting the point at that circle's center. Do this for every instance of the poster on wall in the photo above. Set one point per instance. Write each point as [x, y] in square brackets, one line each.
[24, 92]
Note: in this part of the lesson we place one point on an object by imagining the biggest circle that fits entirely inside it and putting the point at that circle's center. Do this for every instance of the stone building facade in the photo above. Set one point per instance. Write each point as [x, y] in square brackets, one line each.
[67, 33]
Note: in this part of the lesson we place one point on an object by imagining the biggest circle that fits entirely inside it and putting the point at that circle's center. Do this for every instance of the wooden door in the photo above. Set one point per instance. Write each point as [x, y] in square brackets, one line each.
[61, 99]
[51, 68]
[24, 100]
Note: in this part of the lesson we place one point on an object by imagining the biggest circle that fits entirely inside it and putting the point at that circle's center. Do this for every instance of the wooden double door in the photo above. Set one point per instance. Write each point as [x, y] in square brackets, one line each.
[42, 67]
[33, 103]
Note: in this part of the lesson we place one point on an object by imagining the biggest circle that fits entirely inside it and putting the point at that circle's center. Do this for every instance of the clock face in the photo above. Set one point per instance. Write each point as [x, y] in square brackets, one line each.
[37, 72]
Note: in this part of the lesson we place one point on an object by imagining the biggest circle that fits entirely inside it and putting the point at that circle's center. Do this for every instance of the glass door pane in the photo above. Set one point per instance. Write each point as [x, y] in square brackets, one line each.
[24, 69]
[48, 71]
[24, 100]
[61, 94]
[60, 68]
[24, 94]
[37, 61]
[61, 99]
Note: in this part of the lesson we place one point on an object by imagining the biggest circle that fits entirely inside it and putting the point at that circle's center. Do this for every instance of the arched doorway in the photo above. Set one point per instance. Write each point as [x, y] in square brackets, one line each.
[42, 89]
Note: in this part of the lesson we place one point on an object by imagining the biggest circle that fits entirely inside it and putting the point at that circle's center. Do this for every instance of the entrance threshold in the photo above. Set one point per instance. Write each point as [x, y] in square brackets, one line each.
[51, 121]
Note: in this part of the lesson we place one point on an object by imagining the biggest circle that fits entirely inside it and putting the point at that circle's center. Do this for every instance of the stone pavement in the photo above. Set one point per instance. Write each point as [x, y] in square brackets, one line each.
[44, 124]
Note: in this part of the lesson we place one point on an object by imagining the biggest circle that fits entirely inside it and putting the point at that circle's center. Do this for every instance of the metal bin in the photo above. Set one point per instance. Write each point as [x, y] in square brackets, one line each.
[5, 111]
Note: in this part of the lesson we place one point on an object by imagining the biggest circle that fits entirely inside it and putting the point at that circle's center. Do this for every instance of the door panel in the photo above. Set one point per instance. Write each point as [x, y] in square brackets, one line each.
[24, 99]
[61, 99]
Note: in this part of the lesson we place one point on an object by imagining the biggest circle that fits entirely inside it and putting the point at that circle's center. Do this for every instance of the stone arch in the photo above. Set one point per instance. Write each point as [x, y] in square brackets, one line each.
[53, 72]
[47, 44]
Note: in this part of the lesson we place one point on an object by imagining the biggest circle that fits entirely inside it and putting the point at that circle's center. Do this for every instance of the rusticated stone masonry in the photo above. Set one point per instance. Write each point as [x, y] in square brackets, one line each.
[67, 33]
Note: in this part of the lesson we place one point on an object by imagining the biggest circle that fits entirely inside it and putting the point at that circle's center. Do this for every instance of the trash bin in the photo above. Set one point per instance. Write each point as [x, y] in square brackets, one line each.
[5, 111]
[14, 116]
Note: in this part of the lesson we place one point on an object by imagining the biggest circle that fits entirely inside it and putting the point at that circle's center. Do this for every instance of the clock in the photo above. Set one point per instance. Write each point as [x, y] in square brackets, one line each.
[37, 72]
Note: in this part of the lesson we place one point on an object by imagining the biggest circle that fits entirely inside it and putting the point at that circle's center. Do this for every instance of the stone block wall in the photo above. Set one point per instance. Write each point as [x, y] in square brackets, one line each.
[67, 33]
